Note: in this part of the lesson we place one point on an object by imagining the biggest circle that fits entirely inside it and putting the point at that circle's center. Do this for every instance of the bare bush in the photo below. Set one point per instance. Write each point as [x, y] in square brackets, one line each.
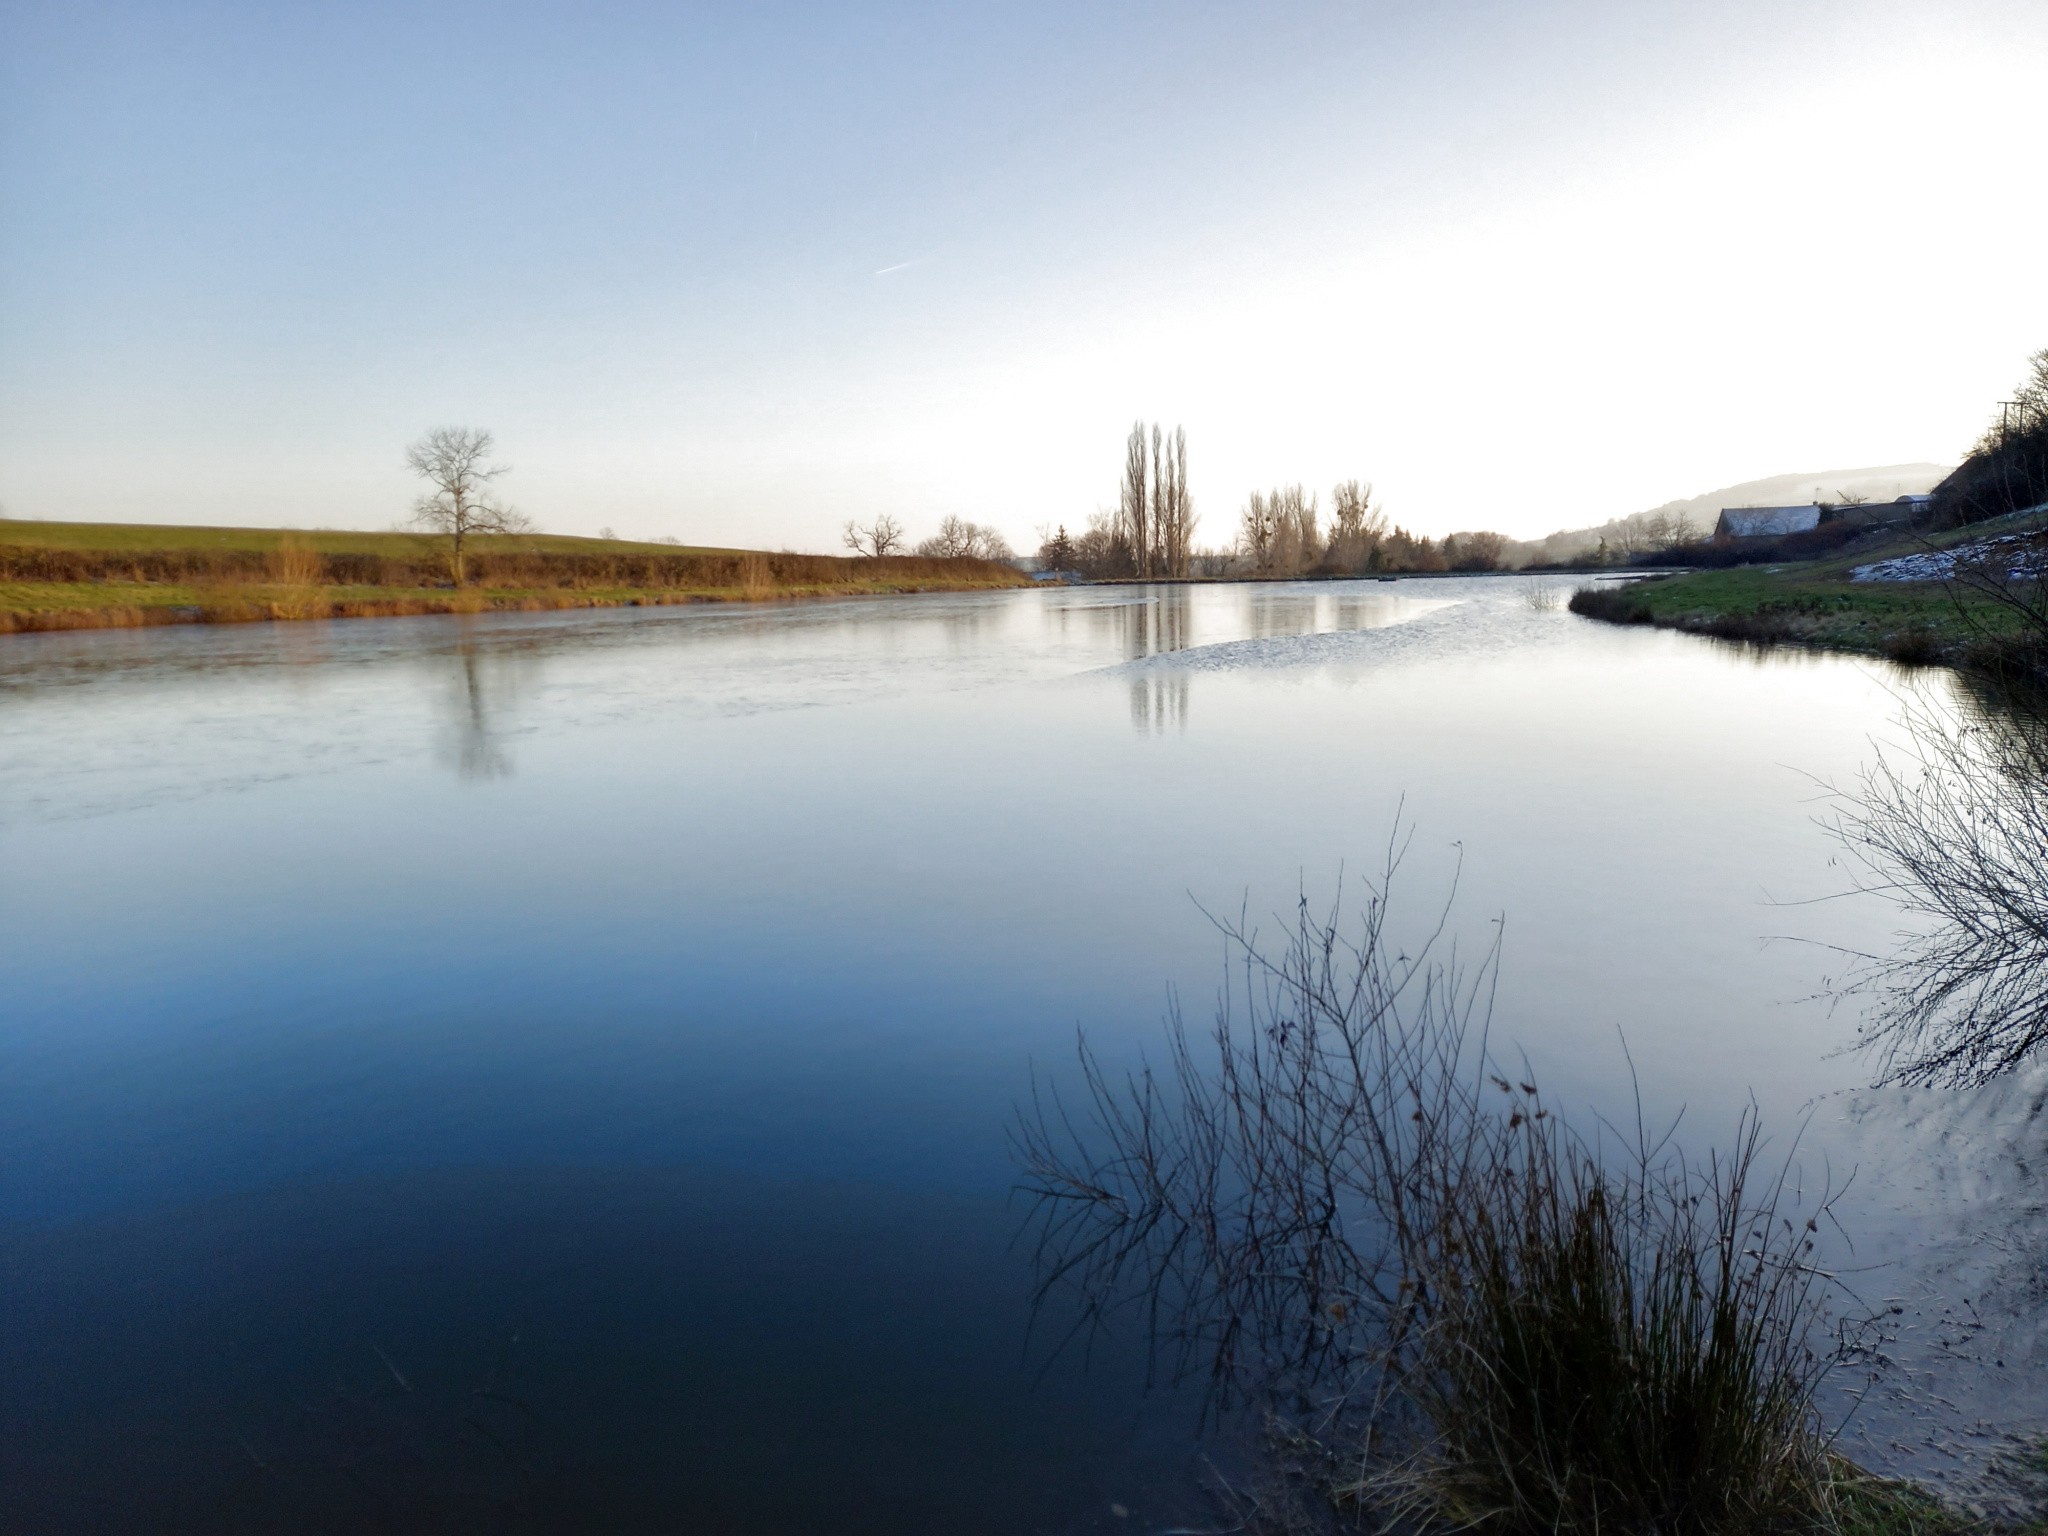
[1502, 1325]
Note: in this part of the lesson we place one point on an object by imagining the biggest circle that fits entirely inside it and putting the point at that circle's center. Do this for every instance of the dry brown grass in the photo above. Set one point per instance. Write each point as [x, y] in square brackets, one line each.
[50, 588]
[424, 565]
[294, 564]
[298, 573]
[757, 578]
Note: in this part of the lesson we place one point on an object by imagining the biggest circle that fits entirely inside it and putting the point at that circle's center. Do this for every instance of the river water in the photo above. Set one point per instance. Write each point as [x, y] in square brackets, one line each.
[552, 1072]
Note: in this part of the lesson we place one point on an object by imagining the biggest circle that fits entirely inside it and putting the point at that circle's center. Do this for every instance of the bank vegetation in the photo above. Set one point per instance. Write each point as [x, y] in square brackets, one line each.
[1459, 1311]
[94, 576]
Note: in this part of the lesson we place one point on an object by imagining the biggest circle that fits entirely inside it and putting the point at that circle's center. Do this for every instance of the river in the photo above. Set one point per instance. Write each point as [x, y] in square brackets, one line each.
[549, 1072]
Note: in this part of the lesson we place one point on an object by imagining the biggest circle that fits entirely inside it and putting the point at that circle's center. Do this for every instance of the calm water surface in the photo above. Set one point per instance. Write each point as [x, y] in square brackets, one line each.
[552, 1072]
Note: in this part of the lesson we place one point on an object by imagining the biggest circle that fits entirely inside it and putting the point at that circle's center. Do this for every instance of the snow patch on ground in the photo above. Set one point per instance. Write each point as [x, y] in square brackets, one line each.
[2018, 556]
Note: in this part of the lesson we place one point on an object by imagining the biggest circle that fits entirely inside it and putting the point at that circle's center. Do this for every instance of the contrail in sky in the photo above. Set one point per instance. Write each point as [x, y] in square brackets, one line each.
[885, 271]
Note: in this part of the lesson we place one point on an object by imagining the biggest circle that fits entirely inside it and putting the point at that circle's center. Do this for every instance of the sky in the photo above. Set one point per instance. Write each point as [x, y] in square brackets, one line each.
[736, 273]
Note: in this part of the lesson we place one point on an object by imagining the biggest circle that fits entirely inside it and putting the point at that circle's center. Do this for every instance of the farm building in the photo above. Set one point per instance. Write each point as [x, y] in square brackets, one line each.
[1766, 522]
[1776, 522]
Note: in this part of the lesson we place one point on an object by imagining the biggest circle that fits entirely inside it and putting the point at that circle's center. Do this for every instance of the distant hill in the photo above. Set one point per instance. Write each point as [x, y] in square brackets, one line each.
[1879, 483]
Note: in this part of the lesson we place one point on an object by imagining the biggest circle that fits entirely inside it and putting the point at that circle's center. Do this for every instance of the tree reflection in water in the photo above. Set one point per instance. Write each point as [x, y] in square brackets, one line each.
[484, 686]
[1160, 622]
[1953, 827]
[1280, 613]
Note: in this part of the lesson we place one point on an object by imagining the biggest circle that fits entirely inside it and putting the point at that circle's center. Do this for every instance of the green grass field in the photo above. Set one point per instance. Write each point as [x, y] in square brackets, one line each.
[1859, 616]
[1815, 603]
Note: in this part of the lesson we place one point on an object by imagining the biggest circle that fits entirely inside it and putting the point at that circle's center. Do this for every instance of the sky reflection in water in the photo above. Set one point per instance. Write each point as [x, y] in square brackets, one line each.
[656, 986]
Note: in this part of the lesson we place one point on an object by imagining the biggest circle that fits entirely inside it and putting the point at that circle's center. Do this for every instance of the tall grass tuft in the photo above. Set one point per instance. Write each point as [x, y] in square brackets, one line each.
[298, 570]
[1611, 1348]
[1501, 1324]
[757, 578]
[295, 563]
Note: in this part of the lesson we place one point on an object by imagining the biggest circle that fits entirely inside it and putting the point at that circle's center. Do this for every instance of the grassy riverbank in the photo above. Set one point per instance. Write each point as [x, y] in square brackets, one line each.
[117, 575]
[1816, 603]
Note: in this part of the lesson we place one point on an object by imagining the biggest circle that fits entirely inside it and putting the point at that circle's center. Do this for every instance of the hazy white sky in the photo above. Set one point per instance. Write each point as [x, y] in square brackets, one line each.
[736, 273]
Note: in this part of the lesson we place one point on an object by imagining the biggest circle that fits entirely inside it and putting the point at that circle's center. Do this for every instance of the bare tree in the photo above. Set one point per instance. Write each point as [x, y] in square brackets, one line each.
[1651, 532]
[1180, 512]
[1258, 525]
[1360, 528]
[1104, 550]
[1162, 511]
[883, 536]
[454, 460]
[1479, 551]
[2030, 399]
[958, 539]
[2007, 468]
[1155, 519]
[1132, 508]
[1279, 532]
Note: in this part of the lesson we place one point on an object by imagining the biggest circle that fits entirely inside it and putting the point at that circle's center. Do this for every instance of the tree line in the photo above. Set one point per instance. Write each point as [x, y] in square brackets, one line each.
[1279, 533]
[957, 539]
[1151, 533]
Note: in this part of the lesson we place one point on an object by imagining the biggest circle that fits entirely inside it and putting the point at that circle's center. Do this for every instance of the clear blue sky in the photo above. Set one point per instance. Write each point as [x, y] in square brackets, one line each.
[736, 273]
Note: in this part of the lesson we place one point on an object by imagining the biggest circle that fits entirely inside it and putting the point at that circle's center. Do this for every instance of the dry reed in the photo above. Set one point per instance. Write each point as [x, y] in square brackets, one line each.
[1503, 1325]
[294, 581]
[298, 573]
[756, 578]
[529, 570]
